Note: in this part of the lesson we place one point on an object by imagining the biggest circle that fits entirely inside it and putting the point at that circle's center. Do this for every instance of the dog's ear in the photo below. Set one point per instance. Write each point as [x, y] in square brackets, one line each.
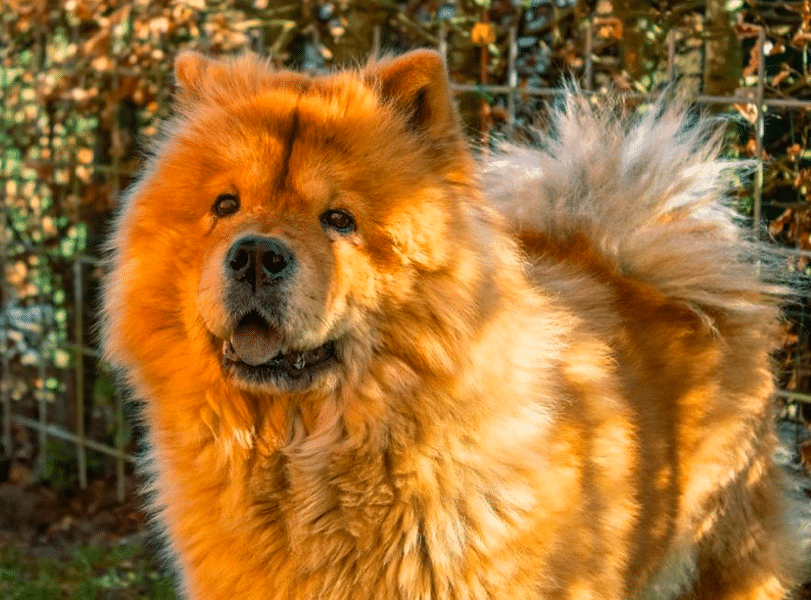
[417, 84]
[190, 69]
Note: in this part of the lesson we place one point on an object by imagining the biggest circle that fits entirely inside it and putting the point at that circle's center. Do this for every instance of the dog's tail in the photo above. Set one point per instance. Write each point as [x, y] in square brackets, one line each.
[651, 196]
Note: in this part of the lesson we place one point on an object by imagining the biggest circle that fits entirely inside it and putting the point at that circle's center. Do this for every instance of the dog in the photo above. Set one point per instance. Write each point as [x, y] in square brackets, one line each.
[373, 366]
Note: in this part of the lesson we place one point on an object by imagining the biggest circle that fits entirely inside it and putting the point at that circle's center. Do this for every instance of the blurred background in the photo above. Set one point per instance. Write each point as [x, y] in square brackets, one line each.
[83, 84]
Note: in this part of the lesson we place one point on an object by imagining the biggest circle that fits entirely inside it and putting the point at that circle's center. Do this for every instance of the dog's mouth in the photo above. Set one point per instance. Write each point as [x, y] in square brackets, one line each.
[256, 351]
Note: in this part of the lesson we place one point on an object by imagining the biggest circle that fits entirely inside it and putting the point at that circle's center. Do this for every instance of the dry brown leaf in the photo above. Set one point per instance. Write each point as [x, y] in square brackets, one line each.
[483, 34]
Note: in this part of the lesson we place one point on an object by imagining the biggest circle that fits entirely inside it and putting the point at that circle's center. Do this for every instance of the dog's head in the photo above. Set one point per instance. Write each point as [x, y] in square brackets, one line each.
[284, 220]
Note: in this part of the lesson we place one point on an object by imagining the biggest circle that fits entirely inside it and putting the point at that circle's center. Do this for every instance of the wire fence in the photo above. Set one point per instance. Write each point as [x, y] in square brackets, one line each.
[58, 384]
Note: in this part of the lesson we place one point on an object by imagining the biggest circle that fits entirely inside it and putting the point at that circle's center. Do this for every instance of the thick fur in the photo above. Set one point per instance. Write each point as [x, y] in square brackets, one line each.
[551, 375]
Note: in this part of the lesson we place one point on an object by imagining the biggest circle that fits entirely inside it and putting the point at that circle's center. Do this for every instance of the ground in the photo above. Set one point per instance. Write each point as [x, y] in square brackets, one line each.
[75, 545]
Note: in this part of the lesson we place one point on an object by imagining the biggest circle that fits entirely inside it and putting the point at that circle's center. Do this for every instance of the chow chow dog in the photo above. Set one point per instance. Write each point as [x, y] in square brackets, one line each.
[372, 366]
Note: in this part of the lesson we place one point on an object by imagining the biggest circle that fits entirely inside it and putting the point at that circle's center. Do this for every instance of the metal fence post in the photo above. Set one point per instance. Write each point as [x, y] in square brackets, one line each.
[5, 366]
[588, 76]
[512, 78]
[42, 301]
[118, 401]
[5, 241]
[78, 318]
[671, 56]
[443, 40]
[376, 41]
[759, 131]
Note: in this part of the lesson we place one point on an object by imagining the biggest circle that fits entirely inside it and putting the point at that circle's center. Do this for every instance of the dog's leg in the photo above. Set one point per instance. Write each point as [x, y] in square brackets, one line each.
[758, 583]
[749, 552]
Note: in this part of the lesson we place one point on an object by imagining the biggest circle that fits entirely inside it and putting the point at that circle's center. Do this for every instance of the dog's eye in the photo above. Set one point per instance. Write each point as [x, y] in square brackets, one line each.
[339, 220]
[226, 204]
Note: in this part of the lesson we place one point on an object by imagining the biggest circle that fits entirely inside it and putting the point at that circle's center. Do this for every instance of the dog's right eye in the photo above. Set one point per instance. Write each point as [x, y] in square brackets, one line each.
[226, 204]
[339, 220]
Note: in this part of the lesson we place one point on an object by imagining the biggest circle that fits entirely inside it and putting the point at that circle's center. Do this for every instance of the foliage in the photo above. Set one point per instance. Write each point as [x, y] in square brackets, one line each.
[59, 468]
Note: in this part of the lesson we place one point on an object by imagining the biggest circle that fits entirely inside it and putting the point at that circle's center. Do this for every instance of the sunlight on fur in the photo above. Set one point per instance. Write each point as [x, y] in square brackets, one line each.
[373, 367]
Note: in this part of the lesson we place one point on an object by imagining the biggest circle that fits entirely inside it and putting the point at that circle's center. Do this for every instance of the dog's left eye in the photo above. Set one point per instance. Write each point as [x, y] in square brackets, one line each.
[226, 204]
[339, 220]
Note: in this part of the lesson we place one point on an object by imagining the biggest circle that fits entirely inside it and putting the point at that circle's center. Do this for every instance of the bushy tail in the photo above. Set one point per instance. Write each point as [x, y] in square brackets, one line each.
[650, 193]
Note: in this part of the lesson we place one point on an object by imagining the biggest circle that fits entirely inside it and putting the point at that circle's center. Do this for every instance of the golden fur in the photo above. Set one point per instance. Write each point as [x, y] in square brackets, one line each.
[542, 377]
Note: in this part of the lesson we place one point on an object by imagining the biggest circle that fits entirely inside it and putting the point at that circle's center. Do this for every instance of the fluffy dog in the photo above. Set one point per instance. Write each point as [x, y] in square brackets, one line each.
[373, 368]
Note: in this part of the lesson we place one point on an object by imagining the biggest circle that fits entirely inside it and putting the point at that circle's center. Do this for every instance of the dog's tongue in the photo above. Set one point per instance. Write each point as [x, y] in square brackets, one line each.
[255, 344]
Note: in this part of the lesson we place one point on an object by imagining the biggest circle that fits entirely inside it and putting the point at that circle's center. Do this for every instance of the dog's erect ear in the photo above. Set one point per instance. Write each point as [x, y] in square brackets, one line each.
[417, 84]
[190, 69]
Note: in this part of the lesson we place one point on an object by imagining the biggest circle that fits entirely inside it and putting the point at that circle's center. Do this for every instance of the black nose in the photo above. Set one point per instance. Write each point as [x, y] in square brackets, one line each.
[260, 261]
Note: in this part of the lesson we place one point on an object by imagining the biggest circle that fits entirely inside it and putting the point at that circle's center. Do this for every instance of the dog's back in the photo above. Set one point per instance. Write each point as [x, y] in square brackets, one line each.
[669, 403]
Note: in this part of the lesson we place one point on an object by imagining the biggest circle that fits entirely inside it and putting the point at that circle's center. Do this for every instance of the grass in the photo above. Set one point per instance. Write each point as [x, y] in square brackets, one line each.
[86, 572]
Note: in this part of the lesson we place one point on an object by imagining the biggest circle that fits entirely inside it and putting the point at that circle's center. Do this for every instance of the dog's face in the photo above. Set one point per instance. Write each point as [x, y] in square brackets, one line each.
[293, 211]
